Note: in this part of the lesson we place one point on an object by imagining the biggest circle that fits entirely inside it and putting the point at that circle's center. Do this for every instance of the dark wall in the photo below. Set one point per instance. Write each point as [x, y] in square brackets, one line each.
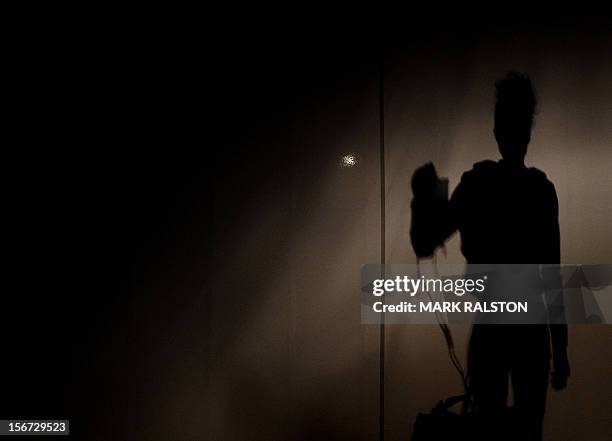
[186, 246]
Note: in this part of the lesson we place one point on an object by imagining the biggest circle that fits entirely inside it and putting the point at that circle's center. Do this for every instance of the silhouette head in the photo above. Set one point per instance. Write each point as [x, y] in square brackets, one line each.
[514, 112]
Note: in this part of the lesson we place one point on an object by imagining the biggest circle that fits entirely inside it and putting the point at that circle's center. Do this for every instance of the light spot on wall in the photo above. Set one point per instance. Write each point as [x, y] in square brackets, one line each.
[348, 160]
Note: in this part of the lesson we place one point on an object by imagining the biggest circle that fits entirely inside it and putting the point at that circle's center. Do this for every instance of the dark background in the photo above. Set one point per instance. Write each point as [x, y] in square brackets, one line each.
[184, 248]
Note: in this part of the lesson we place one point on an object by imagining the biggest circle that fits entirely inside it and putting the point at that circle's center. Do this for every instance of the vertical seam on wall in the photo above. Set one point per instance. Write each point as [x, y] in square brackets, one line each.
[381, 379]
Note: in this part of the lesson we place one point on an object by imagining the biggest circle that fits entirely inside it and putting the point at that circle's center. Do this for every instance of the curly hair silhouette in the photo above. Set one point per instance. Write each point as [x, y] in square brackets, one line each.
[514, 115]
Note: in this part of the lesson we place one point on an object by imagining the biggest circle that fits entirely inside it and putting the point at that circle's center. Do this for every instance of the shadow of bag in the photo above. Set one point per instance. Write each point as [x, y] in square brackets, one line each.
[443, 424]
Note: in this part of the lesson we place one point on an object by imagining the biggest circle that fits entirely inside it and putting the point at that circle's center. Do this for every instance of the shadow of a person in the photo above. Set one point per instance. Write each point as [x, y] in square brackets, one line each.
[505, 213]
